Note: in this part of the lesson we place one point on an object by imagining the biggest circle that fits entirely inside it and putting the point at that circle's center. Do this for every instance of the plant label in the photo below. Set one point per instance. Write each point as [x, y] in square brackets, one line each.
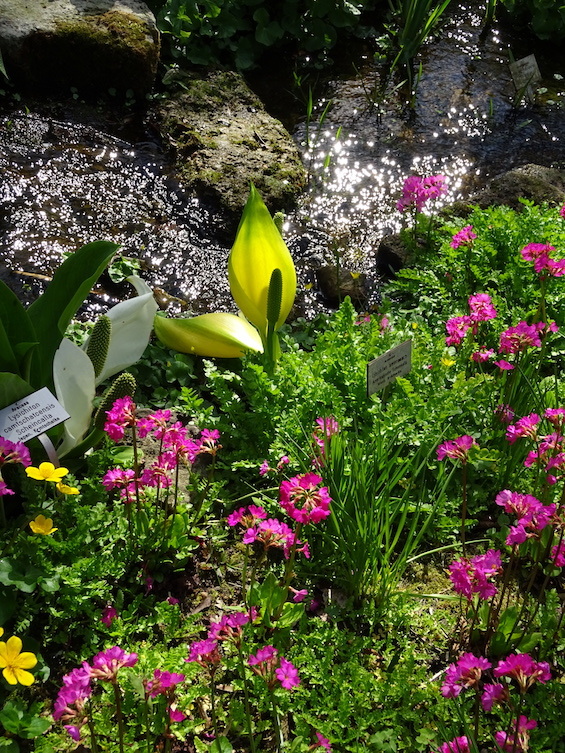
[31, 416]
[526, 75]
[384, 369]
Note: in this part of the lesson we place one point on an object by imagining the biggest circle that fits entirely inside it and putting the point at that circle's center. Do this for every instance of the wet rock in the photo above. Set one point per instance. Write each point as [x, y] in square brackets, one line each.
[93, 45]
[223, 138]
[335, 287]
[392, 255]
[533, 182]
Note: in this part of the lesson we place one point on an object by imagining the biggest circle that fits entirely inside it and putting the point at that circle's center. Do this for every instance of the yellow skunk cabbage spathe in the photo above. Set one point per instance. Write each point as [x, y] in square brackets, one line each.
[215, 335]
[257, 251]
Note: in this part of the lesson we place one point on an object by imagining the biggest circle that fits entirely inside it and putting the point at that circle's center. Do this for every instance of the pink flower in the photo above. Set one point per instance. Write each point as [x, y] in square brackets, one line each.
[474, 576]
[533, 251]
[481, 307]
[482, 355]
[523, 669]
[299, 596]
[323, 742]
[457, 745]
[175, 715]
[106, 664]
[456, 449]
[558, 555]
[4, 490]
[287, 674]
[275, 533]
[247, 516]
[264, 468]
[505, 413]
[205, 653]
[457, 327]
[162, 682]
[13, 452]
[417, 191]
[518, 740]
[108, 615]
[465, 673]
[303, 500]
[562, 211]
[464, 237]
[73, 731]
[118, 478]
[504, 365]
[519, 338]
[121, 416]
[272, 668]
[229, 627]
[493, 693]
[524, 427]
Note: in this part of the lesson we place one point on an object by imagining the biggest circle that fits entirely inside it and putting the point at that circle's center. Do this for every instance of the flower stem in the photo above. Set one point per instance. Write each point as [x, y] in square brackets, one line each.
[246, 698]
[119, 715]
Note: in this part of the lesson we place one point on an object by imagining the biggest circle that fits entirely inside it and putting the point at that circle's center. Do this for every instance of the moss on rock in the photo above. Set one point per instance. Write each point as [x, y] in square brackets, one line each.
[223, 138]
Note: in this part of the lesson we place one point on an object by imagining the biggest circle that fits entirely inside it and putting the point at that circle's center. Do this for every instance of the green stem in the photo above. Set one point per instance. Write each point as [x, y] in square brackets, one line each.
[90, 722]
[278, 734]
[464, 506]
[213, 703]
[147, 727]
[119, 714]
[246, 698]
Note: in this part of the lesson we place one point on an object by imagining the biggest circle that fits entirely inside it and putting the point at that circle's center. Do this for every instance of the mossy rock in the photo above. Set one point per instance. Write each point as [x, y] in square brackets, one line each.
[72, 48]
[223, 139]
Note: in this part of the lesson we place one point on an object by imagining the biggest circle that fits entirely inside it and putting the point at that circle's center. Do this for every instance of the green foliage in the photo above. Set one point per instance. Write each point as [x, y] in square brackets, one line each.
[239, 31]
[546, 18]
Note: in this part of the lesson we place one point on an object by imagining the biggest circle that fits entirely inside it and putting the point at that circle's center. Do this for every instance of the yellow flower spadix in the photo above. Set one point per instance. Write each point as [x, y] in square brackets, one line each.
[257, 251]
[216, 335]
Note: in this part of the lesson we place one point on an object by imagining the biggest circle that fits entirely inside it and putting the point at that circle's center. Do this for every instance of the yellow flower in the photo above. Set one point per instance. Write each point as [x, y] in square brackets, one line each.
[14, 663]
[43, 525]
[46, 472]
[1, 631]
[257, 251]
[447, 362]
[65, 489]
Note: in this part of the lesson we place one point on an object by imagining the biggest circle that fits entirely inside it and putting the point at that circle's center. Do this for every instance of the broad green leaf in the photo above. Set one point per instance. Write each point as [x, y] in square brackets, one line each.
[13, 388]
[17, 335]
[221, 745]
[52, 312]
[12, 573]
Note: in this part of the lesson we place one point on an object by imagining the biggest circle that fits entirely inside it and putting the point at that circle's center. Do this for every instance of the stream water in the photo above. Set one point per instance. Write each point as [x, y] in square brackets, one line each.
[63, 184]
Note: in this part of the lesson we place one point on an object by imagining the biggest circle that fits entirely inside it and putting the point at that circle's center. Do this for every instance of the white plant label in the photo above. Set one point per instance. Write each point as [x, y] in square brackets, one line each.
[384, 369]
[31, 416]
[526, 75]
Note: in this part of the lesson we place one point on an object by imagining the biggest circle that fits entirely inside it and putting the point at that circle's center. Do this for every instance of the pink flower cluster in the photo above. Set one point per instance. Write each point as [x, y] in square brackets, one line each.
[481, 309]
[76, 690]
[550, 448]
[12, 452]
[271, 532]
[177, 445]
[304, 500]
[523, 336]
[227, 628]
[265, 468]
[540, 254]
[274, 668]
[468, 672]
[464, 237]
[533, 516]
[456, 449]
[474, 576]
[416, 191]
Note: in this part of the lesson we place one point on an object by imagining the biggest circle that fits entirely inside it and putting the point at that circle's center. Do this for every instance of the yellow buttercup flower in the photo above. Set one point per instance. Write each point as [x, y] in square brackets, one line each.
[65, 489]
[42, 525]
[14, 663]
[46, 472]
[447, 362]
[1, 631]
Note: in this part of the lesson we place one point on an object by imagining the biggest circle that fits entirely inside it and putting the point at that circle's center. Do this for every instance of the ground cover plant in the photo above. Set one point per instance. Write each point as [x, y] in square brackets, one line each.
[260, 556]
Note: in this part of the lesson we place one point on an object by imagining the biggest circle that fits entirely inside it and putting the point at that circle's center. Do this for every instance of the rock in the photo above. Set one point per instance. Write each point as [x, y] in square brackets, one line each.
[349, 284]
[392, 255]
[93, 45]
[534, 182]
[223, 138]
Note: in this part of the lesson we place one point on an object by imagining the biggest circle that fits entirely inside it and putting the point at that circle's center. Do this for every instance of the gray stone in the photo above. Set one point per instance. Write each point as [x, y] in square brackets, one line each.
[336, 287]
[223, 138]
[392, 255]
[533, 182]
[93, 45]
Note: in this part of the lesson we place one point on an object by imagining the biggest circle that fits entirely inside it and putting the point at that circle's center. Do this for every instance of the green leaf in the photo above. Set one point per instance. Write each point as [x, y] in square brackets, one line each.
[9, 746]
[7, 604]
[290, 615]
[52, 312]
[507, 621]
[16, 330]
[13, 388]
[12, 573]
[221, 745]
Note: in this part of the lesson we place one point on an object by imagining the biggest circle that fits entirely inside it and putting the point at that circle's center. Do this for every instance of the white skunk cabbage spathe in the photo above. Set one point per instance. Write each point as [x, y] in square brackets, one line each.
[73, 376]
